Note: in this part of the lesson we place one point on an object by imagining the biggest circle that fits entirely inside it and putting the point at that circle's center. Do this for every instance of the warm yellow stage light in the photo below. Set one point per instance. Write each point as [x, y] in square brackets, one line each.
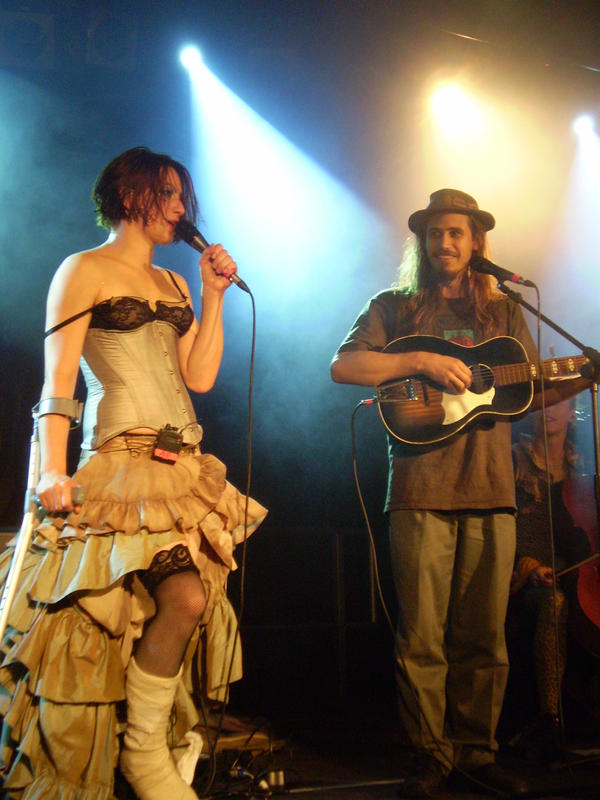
[455, 112]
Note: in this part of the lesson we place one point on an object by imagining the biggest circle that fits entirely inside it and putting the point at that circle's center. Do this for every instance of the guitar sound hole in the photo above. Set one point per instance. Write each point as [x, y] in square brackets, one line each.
[483, 378]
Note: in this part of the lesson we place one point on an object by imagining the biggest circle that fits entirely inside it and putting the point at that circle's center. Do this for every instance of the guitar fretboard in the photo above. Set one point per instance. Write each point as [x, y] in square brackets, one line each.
[507, 374]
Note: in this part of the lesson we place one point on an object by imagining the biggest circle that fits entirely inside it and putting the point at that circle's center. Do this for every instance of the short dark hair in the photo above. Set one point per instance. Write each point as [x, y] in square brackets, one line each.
[140, 174]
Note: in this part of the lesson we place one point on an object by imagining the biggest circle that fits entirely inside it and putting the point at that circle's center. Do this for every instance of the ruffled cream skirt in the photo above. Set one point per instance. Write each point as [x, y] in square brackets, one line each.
[81, 606]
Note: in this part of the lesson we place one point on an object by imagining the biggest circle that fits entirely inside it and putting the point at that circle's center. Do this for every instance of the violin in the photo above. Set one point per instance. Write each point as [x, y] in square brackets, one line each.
[578, 495]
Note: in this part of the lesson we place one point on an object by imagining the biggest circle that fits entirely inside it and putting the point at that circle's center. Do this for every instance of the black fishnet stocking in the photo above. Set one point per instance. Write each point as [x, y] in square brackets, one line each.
[180, 601]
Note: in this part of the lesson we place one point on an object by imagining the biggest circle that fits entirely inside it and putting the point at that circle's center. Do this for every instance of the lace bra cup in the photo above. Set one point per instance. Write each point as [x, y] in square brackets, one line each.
[129, 313]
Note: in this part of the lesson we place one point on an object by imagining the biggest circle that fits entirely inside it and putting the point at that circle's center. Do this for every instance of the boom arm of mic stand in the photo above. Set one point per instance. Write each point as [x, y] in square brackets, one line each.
[593, 373]
[588, 352]
[25, 532]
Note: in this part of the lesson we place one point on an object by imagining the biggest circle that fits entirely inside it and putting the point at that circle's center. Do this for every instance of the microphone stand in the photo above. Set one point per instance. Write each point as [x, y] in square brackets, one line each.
[591, 371]
[594, 370]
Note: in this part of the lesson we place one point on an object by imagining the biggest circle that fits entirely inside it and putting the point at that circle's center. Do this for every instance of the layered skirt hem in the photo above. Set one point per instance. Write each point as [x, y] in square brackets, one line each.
[81, 605]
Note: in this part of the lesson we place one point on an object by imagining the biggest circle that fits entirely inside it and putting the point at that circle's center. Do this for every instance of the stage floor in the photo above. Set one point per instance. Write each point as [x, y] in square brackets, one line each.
[345, 755]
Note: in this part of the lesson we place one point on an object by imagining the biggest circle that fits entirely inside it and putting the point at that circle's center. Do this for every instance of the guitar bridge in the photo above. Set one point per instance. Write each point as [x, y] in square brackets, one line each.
[398, 390]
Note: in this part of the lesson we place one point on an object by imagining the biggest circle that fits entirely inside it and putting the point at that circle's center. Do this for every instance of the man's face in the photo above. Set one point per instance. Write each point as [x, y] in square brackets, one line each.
[450, 244]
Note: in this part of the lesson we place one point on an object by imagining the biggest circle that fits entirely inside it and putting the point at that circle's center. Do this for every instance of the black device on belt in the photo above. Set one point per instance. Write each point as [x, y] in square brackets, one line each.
[168, 444]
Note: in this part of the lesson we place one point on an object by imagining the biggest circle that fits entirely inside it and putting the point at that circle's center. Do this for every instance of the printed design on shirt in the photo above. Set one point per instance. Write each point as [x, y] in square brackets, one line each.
[458, 407]
[463, 336]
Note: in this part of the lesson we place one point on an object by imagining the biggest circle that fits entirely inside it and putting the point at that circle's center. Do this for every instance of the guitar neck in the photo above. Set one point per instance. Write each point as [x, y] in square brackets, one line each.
[507, 374]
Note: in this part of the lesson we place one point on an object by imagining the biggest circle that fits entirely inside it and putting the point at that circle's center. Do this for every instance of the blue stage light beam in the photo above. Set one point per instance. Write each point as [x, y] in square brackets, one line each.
[574, 251]
[585, 183]
[295, 230]
[311, 252]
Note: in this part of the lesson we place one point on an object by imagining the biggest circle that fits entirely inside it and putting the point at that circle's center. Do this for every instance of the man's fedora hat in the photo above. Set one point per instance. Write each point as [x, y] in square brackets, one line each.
[450, 201]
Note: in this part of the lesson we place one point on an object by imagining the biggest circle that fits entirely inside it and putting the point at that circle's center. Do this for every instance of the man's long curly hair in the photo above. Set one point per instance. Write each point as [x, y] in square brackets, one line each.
[418, 280]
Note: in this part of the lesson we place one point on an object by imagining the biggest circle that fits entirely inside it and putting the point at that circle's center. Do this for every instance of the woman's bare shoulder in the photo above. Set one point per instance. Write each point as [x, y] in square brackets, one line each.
[84, 260]
[77, 279]
[86, 265]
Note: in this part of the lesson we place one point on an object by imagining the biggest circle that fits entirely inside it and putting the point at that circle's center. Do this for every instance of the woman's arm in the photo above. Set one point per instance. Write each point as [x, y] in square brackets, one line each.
[201, 348]
[73, 289]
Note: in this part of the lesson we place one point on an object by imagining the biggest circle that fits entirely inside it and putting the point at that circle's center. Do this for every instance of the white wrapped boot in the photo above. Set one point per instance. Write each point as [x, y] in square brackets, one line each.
[146, 761]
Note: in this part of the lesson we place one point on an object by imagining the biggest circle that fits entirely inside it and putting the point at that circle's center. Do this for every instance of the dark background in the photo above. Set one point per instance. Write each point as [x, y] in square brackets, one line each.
[342, 81]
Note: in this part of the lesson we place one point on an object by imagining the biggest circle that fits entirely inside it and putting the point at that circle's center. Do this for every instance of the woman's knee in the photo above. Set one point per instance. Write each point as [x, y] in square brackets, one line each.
[182, 596]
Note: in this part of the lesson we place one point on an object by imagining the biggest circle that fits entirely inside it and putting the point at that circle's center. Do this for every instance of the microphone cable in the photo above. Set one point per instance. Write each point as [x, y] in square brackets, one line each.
[187, 231]
[210, 779]
[373, 552]
[443, 758]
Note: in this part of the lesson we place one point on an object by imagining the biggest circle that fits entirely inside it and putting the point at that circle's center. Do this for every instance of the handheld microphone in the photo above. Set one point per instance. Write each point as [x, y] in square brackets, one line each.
[192, 236]
[77, 498]
[480, 264]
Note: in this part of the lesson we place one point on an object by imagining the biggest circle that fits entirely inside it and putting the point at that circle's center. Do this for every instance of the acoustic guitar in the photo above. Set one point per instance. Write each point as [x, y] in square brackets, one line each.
[416, 410]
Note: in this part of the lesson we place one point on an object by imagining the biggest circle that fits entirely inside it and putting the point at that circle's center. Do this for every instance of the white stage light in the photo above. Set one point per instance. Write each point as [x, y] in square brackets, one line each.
[583, 124]
[190, 57]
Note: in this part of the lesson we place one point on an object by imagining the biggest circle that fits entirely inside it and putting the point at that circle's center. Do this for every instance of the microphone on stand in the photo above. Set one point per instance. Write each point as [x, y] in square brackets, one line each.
[481, 264]
[192, 236]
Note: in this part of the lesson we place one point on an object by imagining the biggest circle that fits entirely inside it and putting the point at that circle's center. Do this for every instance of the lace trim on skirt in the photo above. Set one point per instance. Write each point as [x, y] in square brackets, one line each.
[166, 563]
